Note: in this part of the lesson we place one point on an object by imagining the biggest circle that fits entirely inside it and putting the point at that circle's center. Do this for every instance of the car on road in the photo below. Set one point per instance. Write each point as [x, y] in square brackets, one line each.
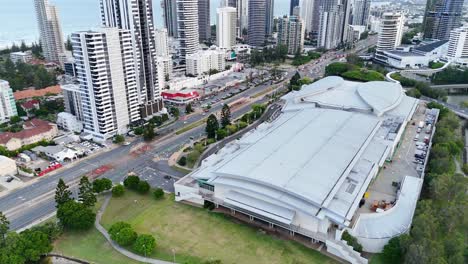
[126, 143]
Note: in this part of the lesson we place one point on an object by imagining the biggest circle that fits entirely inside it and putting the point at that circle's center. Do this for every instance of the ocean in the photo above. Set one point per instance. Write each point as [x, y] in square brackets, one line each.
[18, 17]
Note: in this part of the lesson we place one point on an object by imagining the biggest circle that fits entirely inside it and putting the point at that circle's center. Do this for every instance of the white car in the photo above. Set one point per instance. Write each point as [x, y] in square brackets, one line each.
[126, 143]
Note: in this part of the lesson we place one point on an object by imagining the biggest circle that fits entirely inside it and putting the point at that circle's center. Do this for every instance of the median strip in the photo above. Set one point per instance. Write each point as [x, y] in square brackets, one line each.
[191, 126]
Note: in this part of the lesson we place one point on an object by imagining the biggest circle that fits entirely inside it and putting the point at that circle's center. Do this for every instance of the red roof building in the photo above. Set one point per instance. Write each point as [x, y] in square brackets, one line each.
[180, 97]
[33, 131]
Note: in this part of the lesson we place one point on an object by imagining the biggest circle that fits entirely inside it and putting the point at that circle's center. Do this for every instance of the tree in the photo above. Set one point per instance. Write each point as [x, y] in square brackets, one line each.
[188, 108]
[86, 194]
[4, 226]
[132, 182]
[225, 115]
[119, 139]
[62, 194]
[68, 44]
[158, 193]
[23, 46]
[211, 126]
[182, 161]
[294, 82]
[174, 111]
[35, 244]
[74, 215]
[148, 132]
[116, 227]
[100, 185]
[125, 237]
[221, 133]
[118, 191]
[143, 187]
[144, 244]
[393, 252]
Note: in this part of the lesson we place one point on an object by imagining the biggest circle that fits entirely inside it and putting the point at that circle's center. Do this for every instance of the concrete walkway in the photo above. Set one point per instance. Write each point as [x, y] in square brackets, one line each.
[121, 250]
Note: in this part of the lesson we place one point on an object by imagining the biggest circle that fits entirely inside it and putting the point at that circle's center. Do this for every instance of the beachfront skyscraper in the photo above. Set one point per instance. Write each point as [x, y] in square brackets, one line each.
[137, 17]
[108, 81]
[50, 31]
[187, 20]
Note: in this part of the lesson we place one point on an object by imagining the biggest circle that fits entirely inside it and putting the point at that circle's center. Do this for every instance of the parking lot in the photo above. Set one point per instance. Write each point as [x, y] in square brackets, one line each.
[404, 163]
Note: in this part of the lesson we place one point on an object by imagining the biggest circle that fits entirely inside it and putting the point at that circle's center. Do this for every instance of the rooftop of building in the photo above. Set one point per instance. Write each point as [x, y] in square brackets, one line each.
[430, 46]
[317, 157]
[30, 104]
[30, 128]
[30, 93]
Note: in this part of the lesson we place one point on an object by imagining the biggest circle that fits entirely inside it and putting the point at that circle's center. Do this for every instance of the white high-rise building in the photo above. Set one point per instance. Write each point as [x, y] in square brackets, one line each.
[7, 102]
[50, 31]
[333, 23]
[291, 33]
[390, 34]
[360, 12]
[205, 60]
[226, 27]
[105, 64]
[187, 28]
[391, 31]
[137, 16]
[458, 46]
[162, 44]
[242, 13]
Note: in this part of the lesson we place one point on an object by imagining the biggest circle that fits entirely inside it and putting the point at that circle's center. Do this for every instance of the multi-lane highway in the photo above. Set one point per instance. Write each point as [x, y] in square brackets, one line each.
[35, 202]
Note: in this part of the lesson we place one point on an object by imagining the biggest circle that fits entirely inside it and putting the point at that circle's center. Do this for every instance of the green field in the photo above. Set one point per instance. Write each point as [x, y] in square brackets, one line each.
[197, 235]
[194, 234]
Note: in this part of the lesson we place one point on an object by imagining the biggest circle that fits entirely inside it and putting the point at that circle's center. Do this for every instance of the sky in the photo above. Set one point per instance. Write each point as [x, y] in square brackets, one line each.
[18, 18]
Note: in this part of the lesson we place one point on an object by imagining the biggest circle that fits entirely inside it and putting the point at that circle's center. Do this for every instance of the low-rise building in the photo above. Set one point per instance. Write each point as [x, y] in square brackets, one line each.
[69, 122]
[410, 57]
[180, 97]
[21, 56]
[33, 131]
[205, 60]
[30, 105]
[7, 166]
[306, 172]
[57, 153]
[355, 32]
[164, 65]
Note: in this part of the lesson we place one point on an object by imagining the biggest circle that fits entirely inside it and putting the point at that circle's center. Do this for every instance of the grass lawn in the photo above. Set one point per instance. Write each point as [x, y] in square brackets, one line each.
[196, 235]
[90, 246]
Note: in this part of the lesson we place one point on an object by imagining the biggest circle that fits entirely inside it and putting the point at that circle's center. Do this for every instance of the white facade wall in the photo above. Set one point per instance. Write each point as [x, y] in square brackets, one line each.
[7, 102]
[69, 122]
[72, 100]
[19, 56]
[204, 61]
[458, 46]
[107, 76]
[226, 27]
[391, 31]
[164, 70]
[187, 17]
[291, 32]
[162, 44]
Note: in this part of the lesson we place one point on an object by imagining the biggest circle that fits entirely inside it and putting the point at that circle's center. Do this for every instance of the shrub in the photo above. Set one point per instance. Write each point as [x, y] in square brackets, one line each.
[118, 191]
[126, 236]
[352, 241]
[242, 124]
[208, 205]
[143, 187]
[363, 75]
[116, 227]
[144, 244]
[465, 168]
[182, 161]
[221, 133]
[158, 193]
[131, 182]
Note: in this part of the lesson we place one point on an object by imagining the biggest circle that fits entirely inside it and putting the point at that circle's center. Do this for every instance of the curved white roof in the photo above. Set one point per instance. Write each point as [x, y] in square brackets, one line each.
[381, 96]
[336, 93]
